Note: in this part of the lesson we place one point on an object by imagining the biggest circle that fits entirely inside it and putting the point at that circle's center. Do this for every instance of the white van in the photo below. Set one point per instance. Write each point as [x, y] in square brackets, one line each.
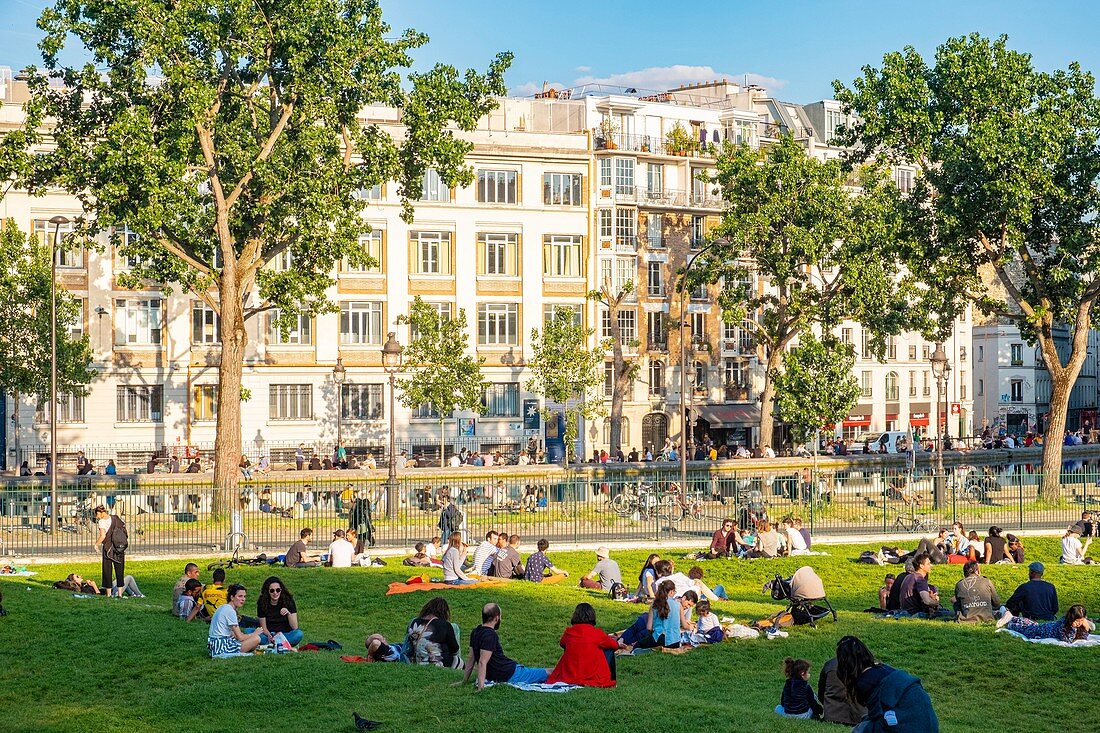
[876, 441]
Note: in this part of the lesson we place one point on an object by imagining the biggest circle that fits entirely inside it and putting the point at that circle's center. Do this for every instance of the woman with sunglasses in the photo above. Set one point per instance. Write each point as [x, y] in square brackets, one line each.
[277, 612]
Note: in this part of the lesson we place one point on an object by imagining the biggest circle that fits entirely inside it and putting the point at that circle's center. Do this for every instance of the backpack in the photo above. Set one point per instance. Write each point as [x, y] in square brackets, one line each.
[117, 535]
[618, 592]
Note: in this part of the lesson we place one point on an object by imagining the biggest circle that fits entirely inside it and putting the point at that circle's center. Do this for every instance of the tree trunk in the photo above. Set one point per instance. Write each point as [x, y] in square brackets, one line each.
[228, 444]
[1062, 379]
[767, 399]
[15, 431]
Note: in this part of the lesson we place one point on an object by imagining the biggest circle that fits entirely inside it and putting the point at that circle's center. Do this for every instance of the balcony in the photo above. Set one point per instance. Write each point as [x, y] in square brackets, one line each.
[627, 244]
[738, 347]
[706, 200]
[700, 346]
[656, 291]
[736, 393]
[671, 198]
[655, 345]
[655, 241]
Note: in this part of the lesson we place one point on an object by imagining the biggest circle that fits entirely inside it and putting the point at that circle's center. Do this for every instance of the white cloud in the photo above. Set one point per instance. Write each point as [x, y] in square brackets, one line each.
[657, 78]
[532, 88]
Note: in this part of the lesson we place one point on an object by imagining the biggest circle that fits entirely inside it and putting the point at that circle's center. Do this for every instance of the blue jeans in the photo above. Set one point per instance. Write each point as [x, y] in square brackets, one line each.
[720, 591]
[461, 581]
[637, 631]
[294, 637]
[528, 676]
[809, 714]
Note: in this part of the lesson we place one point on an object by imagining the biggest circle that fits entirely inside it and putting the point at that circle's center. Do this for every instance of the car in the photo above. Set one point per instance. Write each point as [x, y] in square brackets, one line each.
[889, 439]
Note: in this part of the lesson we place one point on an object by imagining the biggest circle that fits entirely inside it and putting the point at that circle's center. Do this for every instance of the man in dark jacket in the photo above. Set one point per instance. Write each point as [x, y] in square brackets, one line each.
[1036, 599]
[834, 698]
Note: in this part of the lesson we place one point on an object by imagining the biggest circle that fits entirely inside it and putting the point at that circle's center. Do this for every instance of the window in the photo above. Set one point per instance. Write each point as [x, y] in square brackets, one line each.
[981, 387]
[361, 322]
[962, 353]
[301, 332]
[903, 177]
[433, 188]
[925, 352]
[1016, 390]
[699, 292]
[833, 120]
[608, 378]
[736, 373]
[846, 336]
[291, 401]
[497, 254]
[496, 187]
[892, 386]
[497, 324]
[443, 312]
[700, 371]
[141, 403]
[912, 384]
[962, 385]
[500, 400]
[361, 402]
[371, 243]
[204, 324]
[616, 272]
[624, 431]
[68, 256]
[427, 412]
[283, 261]
[628, 325]
[926, 387]
[126, 238]
[657, 330]
[137, 321]
[626, 226]
[698, 328]
[655, 178]
[562, 189]
[70, 409]
[656, 377]
[865, 344]
[550, 310]
[76, 327]
[204, 403]
[891, 348]
[605, 224]
[624, 176]
[865, 384]
[562, 255]
[655, 278]
[746, 336]
[700, 189]
[981, 353]
[912, 352]
[655, 230]
[1017, 351]
[962, 316]
[743, 133]
[698, 231]
[431, 253]
[374, 193]
[605, 172]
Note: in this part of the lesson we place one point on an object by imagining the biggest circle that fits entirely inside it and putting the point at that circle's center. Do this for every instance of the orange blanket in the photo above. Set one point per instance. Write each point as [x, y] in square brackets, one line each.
[398, 588]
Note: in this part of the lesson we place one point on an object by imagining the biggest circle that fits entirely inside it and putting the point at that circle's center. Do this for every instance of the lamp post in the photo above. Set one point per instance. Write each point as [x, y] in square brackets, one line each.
[339, 376]
[684, 365]
[391, 362]
[57, 221]
[939, 371]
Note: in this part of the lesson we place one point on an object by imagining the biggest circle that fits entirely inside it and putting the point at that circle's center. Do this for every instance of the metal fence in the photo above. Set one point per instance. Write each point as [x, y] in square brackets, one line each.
[174, 514]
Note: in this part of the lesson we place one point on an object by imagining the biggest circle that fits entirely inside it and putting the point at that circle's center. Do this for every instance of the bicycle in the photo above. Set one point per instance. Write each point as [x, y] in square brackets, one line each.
[914, 523]
[674, 505]
[236, 559]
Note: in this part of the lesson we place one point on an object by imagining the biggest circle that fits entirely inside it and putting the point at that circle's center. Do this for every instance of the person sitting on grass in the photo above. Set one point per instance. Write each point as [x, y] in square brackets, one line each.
[212, 597]
[340, 551]
[975, 596]
[918, 598]
[664, 620]
[884, 590]
[419, 559]
[487, 656]
[796, 543]
[894, 700]
[539, 563]
[76, 583]
[298, 556]
[187, 605]
[1036, 599]
[1074, 626]
[380, 650]
[226, 638]
[452, 562]
[190, 572]
[278, 613]
[720, 540]
[605, 573]
[798, 699]
[996, 548]
[588, 658]
[838, 707]
[1015, 549]
[693, 581]
[1073, 552]
[508, 563]
[767, 541]
[708, 630]
[647, 579]
[431, 638]
[485, 553]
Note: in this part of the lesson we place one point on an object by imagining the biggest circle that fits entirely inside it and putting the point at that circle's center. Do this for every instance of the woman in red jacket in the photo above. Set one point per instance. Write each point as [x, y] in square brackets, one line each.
[589, 657]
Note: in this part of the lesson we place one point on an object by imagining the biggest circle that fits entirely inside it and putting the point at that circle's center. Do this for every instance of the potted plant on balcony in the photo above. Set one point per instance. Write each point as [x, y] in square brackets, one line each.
[678, 141]
[608, 130]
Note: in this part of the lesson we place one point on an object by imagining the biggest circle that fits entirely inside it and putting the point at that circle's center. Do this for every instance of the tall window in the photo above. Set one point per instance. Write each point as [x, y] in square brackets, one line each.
[361, 402]
[865, 344]
[1016, 390]
[736, 373]
[865, 384]
[626, 226]
[962, 353]
[655, 178]
[616, 272]
[903, 177]
[698, 231]
[497, 254]
[70, 409]
[698, 328]
[628, 325]
[433, 188]
[912, 384]
[562, 255]
[981, 353]
[912, 352]
[605, 172]
[550, 311]
[126, 239]
[608, 378]
[892, 386]
[656, 377]
[926, 387]
[76, 327]
[655, 230]
[68, 257]
[605, 223]
[140, 403]
[291, 401]
[624, 431]
[891, 348]
[655, 278]
[981, 388]
[137, 322]
[1017, 352]
[846, 336]
[833, 120]
[562, 189]
[204, 324]
[371, 243]
[700, 369]
[283, 262]
[624, 176]
[962, 385]
[431, 253]
[496, 187]
[500, 400]
[300, 332]
[657, 330]
[361, 322]
[204, 403]
[498, 324]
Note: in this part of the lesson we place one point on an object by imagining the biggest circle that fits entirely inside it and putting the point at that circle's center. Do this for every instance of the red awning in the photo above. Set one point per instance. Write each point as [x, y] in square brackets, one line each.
[860, 421]
[918, 421]
[891, 417]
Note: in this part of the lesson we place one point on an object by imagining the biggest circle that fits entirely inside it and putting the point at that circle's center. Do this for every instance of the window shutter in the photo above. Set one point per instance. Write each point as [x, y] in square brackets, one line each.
[547, 268]
[383, 266]
[414, 254]
[480, 256]
[515, 262]
[519, 187]
[446, 255]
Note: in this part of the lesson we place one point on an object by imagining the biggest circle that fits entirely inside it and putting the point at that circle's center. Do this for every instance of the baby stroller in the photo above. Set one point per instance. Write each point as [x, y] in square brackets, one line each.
[805, 596]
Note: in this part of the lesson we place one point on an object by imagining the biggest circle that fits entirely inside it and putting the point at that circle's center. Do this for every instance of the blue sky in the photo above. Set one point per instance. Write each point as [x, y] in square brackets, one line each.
[796, 47]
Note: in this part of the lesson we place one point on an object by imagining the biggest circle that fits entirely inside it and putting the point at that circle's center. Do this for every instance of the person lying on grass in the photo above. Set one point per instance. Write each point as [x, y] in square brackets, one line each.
[76, 583]
[487, 656]
[1074, 626]
[589, 656]
[539, 563]
[277, 612]
[380, 650]
[226, 638]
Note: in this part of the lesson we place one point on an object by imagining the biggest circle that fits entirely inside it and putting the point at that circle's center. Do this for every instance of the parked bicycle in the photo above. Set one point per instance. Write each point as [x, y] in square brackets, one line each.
[674, 505]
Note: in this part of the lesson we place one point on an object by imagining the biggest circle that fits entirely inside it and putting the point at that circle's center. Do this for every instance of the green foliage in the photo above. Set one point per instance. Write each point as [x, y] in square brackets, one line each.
[25, 321]
[816, 386]
[566, 372]
[440, 371]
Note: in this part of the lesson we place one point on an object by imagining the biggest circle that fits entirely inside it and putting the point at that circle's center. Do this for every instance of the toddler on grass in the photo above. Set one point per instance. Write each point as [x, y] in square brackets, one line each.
[798, 699]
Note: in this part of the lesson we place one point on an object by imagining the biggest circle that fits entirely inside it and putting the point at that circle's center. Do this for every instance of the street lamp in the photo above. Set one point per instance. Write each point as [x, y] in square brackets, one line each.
[940, 369]
[684, 365]
[57, 221]
[339, 375]
[391, 362]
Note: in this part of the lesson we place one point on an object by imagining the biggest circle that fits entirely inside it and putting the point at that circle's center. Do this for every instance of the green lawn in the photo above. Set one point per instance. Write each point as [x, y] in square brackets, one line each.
[97, 664]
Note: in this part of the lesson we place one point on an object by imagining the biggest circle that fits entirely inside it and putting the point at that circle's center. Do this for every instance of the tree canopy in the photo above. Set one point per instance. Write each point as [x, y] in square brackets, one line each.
[816, 386]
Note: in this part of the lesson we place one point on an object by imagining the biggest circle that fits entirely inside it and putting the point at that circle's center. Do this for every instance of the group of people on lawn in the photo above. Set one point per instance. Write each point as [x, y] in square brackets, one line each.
[760, 539]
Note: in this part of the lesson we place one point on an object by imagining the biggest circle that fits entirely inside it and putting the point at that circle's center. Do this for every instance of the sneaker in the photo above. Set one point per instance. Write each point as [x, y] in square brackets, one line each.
[1004, 619]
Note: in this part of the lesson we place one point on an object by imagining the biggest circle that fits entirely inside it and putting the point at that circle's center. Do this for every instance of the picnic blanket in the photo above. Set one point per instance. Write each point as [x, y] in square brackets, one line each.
[1093, 640]
[539, 686]
[16, 573]
[398, 588]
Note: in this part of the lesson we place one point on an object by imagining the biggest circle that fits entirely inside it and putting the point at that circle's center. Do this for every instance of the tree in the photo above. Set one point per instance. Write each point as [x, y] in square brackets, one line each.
[1004, 214]
[624, 369]
[226, 134]
[442, 374]
[25, 324]
[816, 386]
[566, 372]
[822, 245]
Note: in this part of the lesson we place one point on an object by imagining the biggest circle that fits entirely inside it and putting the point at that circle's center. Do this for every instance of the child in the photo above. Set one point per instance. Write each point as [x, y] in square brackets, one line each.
[707, 628]
[798, 699]
[420, 559]
[379, 650]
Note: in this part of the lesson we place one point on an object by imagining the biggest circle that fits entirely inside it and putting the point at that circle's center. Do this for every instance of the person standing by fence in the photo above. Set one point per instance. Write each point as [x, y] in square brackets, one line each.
[112, 541]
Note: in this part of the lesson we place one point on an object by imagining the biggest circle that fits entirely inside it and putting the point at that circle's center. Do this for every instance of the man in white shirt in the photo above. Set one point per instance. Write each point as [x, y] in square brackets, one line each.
[796, 543]
[340, 551]
[768, 452]
[402, 460]
[485, 552]
[455, 461]
[488, 458]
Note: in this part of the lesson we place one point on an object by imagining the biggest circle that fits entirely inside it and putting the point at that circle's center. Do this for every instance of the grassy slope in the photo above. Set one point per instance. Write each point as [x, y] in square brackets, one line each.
[82, 665]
